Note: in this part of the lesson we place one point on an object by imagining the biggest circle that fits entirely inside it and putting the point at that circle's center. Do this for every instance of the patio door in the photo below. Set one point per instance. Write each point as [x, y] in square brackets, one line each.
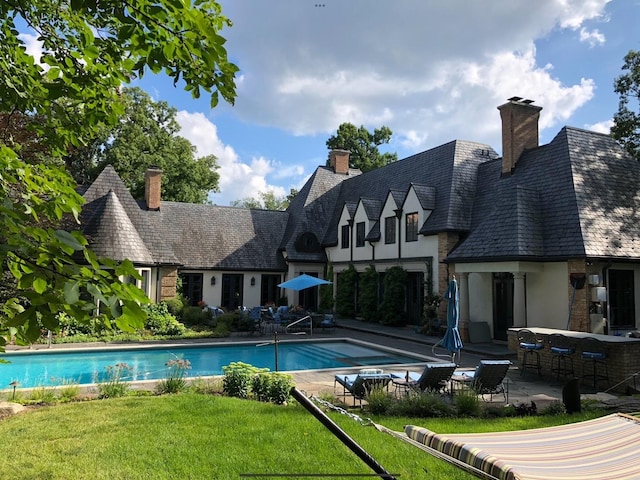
[502, 304]
[192, 287]
[308, 298]
[622, 308]
[415, 297]
[232, 291]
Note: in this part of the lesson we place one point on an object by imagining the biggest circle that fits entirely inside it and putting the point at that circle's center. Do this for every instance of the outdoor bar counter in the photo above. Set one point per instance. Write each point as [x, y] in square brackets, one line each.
[623, 357]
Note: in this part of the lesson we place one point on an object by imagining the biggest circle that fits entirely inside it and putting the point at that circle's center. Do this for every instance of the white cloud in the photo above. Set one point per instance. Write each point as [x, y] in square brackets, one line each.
[602, 127]
[238, 179]
[33, 47]
[593, 37]
[431, 71]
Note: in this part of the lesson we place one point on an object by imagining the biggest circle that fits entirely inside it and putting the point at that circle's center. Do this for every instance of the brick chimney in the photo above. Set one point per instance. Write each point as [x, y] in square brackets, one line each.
[339, 161]
[152, 184]
[519, 130]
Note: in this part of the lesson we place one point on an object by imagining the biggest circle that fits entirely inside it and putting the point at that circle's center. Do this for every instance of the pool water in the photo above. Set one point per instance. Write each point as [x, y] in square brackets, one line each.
[52, 368]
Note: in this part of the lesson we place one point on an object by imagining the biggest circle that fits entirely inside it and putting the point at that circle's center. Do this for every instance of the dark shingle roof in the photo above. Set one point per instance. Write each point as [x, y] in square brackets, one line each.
[311, 211]
[112, 234]
[214, 237]
[576, 196]
[445, 176]
[192, 235]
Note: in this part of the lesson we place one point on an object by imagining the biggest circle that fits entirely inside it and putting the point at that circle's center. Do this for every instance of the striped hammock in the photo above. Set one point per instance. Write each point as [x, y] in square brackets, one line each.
[603, 448]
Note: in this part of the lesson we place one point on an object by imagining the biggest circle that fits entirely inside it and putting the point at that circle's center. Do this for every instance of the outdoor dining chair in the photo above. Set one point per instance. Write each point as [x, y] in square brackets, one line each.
[562, 351]
[594, 353]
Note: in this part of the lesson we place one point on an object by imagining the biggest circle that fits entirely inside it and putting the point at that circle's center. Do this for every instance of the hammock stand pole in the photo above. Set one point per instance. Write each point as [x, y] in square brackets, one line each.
[341, 434]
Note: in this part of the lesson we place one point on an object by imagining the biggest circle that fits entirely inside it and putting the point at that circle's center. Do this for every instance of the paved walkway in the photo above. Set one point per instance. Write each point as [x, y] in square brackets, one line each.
[522, 390]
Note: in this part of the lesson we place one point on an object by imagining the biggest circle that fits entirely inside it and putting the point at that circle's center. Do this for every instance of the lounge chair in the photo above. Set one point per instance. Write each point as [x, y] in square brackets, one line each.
[487, 379]
[359, 385]
[434, 378]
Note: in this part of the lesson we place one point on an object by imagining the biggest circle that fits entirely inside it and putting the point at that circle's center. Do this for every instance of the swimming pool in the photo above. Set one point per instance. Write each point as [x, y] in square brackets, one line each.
[52, 368]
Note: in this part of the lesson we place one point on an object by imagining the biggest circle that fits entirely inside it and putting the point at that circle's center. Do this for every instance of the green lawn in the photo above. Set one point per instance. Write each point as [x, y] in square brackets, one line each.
[196, 436]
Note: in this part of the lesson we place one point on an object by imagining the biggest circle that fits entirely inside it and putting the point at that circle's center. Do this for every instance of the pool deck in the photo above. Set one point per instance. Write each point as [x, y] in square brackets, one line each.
[522, 390]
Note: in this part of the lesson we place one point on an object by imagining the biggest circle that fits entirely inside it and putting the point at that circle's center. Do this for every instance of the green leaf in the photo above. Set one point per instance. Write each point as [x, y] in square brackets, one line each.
[68, 239]
[40, 285]
[71, 292]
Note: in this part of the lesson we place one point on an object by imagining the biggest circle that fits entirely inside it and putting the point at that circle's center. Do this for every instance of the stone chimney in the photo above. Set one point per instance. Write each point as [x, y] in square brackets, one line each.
[519, 130]
[339, 161]
[152, 184]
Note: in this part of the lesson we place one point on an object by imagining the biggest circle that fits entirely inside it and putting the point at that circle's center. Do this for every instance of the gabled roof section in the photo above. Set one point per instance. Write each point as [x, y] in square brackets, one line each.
[374, 234]
[214, 237]
[111, 233]
[450, 169]
[351, 207]
[574, 197]
[311, 210]
[372, 208]
[399, 196]
[426, 196]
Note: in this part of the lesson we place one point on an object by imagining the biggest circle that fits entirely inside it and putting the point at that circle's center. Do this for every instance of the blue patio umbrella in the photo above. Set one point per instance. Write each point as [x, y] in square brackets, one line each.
[451, 340]
[303, 281]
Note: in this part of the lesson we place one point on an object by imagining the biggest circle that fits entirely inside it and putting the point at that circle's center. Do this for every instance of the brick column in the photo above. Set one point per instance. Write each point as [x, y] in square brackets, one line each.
[579, 320]
[168, 281]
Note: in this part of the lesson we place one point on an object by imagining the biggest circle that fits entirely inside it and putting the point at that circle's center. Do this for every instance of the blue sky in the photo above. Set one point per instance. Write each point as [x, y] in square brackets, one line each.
[432, 71]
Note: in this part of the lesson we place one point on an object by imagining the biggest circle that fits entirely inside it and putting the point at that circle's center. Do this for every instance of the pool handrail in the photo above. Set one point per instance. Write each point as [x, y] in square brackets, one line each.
[306, 317]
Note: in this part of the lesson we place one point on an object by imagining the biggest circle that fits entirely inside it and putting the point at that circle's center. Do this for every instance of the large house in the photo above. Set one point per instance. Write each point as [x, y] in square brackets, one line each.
[543, 236]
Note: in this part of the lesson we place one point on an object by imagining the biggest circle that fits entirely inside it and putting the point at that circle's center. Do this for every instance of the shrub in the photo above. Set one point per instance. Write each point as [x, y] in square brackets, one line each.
[69, 391]
[280, 388]
[554, 408]
[379, 401]
[467, 403]
[238, 379]
[206, 386]
[114, 385]
[174, 382]
[368, 291]
[392, 308]
[422, 405]
[175, 306]
[41, 395]
[197, 316]
[346, 292]
[160, 321]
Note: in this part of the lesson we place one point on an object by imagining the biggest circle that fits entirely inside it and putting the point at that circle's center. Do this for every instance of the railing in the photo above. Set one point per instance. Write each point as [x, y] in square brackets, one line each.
[306, 317]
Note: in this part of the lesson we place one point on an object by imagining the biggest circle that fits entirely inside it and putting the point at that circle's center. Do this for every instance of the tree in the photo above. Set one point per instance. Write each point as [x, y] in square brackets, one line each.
[266, 200]
[145, 136]
[363, 146]
[90, 48]
[626, 122]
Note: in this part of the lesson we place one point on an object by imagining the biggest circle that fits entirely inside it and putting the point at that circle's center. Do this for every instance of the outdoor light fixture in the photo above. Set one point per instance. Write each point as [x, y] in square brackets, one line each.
[253, 281]
[213, 280]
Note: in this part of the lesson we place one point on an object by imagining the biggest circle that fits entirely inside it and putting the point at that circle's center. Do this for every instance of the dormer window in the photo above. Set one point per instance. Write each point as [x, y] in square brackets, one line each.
[308, 243]
[411, 227]
[344, 236]
[360, 234]
[390, 230]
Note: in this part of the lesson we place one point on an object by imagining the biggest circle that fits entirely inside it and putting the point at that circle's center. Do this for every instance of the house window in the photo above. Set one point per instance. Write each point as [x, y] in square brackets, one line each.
[345, 236]
[622, 306]
[411, 233]
[360, 234]
[390, 230]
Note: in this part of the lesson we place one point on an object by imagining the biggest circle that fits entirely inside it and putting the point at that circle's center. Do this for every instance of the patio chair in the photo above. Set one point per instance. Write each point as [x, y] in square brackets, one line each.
[255, 320]
[487, 379]
[433, 379]
[328, 322]
[359, 385]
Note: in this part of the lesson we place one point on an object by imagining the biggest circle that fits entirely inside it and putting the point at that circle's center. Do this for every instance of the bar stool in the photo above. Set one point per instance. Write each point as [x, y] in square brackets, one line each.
[594, 350]
[561, 353]
[531, 344]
